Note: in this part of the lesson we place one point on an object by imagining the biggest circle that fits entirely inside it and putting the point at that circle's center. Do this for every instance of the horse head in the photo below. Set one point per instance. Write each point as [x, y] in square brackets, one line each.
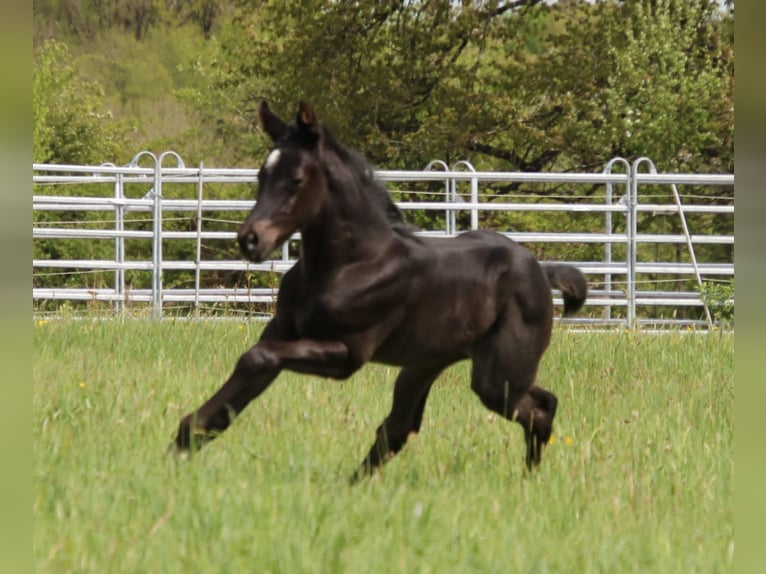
[291, 183]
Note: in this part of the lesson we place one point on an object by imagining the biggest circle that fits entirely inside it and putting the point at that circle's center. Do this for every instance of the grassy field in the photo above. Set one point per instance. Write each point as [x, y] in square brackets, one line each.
[638, 478]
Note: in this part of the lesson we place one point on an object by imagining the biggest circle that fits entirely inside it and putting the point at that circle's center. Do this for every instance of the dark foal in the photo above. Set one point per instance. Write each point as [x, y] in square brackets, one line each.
[366, 288]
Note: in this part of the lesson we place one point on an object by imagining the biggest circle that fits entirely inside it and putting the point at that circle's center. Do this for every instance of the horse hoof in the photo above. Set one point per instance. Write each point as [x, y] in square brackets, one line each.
[177, 453]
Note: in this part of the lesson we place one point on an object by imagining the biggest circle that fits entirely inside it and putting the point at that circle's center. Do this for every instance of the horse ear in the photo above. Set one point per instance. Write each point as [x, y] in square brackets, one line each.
[274, 127]
[306, 119]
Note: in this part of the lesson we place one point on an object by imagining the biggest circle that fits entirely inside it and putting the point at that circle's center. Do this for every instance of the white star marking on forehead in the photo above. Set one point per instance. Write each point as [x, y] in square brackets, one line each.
[272, 160]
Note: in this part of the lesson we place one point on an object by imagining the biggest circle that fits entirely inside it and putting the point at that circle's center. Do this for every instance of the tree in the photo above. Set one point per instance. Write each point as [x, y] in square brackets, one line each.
[83, 20]
[511, 85]
[639, 78]
[69, 123]
[374, 69]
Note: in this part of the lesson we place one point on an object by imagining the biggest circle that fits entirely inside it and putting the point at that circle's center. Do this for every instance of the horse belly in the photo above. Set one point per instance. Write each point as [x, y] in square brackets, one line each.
[442, 326]
[456, 322]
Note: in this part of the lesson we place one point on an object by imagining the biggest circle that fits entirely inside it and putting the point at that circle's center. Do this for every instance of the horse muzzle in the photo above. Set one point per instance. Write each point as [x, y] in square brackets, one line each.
[248, 245]
[258, 240]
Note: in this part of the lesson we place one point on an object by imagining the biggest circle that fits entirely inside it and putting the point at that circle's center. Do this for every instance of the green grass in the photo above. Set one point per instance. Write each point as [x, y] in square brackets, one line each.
[639, 477]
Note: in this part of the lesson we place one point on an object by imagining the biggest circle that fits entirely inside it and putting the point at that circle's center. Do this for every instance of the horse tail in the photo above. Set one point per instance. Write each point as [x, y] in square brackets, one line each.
[571, 282]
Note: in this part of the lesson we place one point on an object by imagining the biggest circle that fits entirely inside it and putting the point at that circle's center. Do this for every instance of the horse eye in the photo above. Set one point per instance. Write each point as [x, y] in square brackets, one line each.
[297, 182]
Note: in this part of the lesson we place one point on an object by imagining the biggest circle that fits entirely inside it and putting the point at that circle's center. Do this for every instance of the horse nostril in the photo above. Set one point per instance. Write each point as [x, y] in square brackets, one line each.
[248, 242]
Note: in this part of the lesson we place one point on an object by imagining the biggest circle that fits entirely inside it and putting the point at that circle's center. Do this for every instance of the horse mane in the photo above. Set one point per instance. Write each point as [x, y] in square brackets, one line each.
[364, 176]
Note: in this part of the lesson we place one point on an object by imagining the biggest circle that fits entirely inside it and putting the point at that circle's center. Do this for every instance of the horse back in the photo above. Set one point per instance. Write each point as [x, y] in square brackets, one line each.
[487, 266]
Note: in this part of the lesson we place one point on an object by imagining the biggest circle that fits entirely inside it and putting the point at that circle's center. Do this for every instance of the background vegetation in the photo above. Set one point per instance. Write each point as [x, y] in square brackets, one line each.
[522, 85]
[518, 85]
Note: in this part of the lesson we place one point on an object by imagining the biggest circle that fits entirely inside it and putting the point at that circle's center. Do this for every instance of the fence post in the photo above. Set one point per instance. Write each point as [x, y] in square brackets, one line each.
[286, 250]
[609, 228]
[157, 291]
[474, 191]
[157, 244]
[198, 251]
[684, 228]
[633, 258]
[155, 193]
[632, 231]
[119, 243]
[447, 189]
[475, 201]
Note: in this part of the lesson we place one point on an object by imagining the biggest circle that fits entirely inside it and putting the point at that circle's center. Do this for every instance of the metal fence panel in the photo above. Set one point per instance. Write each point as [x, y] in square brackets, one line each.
[459, 190]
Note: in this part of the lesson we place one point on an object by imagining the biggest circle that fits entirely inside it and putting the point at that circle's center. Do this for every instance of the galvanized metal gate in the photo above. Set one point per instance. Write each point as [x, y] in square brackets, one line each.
[112, 189]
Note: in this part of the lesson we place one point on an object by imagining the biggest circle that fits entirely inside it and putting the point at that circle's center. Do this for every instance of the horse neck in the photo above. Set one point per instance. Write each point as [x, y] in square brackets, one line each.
[348, 228]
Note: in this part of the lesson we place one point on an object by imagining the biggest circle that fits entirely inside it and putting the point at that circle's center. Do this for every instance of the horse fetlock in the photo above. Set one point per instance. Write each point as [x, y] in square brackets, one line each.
[535, 446]
[388, 442]
[366, 469]
[193, 434]
[543, 432]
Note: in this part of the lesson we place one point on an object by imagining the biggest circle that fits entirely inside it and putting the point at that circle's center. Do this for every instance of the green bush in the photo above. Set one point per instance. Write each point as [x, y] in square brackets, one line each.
[719, 297]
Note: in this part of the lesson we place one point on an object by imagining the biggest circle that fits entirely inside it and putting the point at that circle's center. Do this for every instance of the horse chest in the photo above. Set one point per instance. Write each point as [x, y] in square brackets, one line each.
[334, 315]
[313, 318]
[308, 317]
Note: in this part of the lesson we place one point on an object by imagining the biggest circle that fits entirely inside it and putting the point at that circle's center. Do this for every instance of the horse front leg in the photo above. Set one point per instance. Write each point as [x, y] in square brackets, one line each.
[254, 372]
[249, 379]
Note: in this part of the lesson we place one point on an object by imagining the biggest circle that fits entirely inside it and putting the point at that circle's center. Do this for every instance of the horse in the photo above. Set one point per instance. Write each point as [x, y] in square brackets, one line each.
[367, 288]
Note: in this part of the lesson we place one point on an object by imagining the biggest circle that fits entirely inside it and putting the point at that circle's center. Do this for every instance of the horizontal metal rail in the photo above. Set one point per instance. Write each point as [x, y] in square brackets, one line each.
[68, 203]
[267, 295]
[521, 236]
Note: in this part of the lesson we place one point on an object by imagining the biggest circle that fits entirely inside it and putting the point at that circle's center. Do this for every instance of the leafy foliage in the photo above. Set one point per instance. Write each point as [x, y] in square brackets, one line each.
[720, 299]
[631, 79]
[69, 125]
[563, 86]
[522, 85]
[514, 85]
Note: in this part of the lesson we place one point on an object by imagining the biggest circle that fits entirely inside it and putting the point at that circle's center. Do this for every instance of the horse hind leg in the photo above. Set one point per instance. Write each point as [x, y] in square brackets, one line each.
[503, 378]
[410, 394]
